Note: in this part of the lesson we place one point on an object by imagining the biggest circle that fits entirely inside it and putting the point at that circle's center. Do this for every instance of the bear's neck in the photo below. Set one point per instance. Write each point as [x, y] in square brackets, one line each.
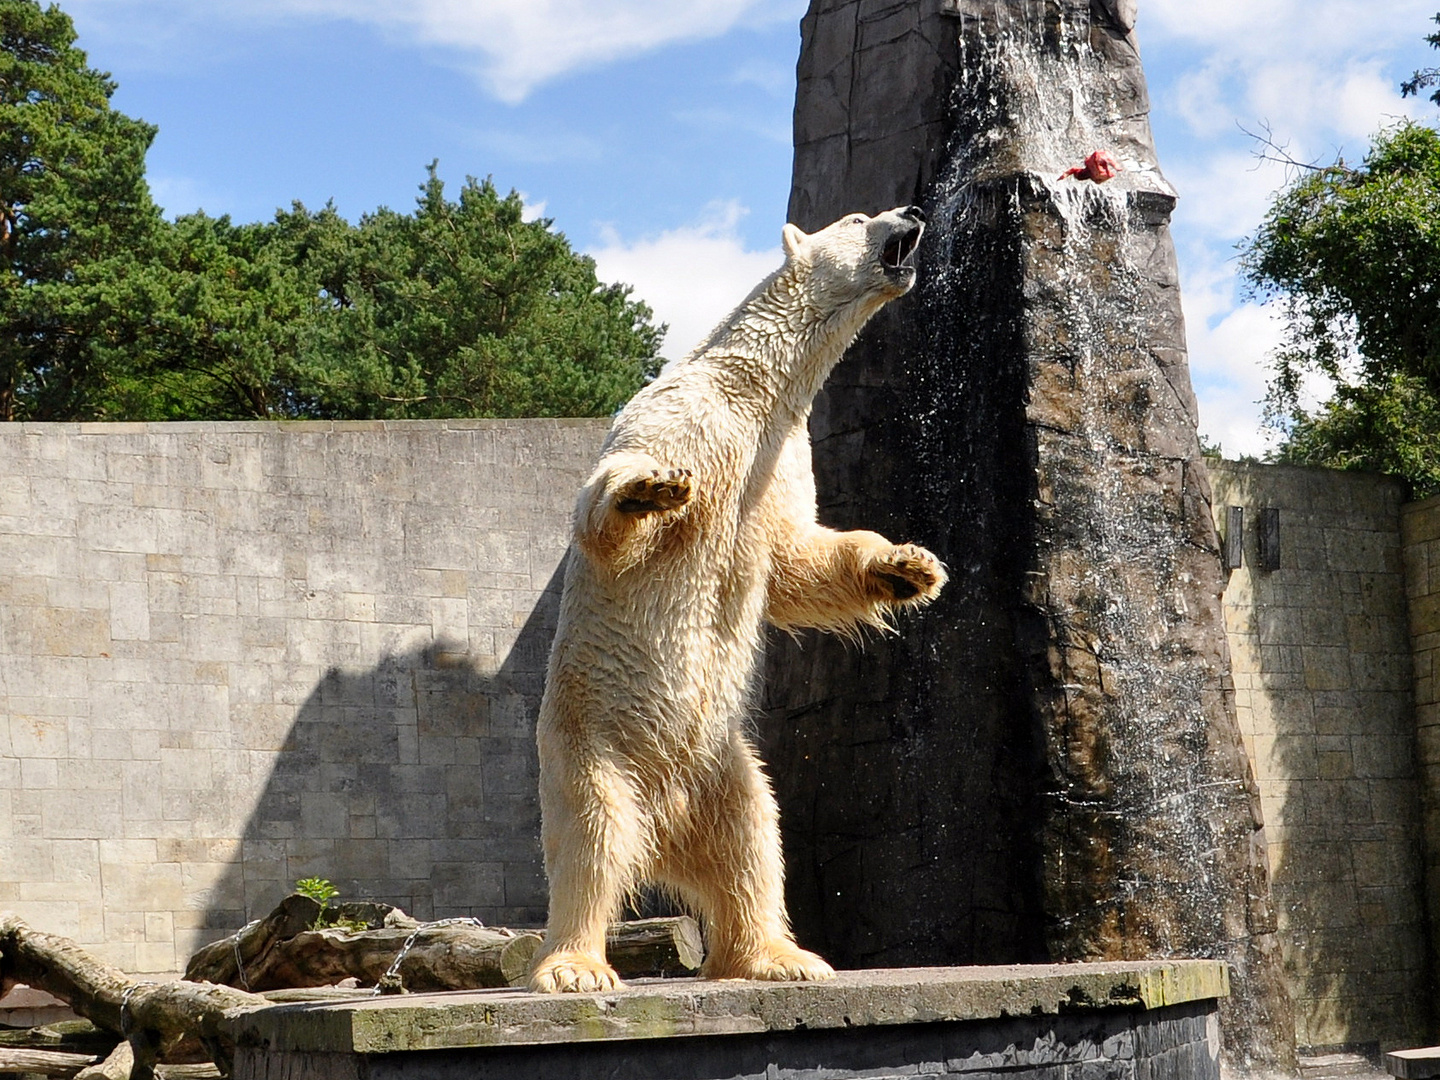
[781, 347]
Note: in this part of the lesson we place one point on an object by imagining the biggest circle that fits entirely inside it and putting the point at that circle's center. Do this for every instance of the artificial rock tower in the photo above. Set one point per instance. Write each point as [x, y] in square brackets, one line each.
[1046, 764]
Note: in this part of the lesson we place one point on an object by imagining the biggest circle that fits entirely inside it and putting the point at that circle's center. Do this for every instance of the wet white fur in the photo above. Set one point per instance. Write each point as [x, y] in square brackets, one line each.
[646, 774]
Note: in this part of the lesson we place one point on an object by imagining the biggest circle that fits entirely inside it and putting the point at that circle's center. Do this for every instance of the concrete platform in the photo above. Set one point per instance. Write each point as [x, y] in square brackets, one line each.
[1141, 1020]
[1416, 1064]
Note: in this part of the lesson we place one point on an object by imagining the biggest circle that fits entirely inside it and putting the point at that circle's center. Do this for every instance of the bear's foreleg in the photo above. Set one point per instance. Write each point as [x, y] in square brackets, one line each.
[844, 580]
[625, 504]
[594, 835]
[728, 866]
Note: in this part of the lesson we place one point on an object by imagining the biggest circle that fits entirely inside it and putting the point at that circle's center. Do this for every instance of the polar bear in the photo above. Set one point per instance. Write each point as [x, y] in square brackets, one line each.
[696, 528]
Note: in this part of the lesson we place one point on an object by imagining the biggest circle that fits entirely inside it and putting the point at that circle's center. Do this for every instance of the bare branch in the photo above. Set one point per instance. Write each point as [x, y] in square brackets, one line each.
[1267, 149]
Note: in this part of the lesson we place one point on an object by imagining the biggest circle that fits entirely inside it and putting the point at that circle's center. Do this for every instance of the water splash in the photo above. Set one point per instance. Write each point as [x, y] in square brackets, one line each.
[1151, 819]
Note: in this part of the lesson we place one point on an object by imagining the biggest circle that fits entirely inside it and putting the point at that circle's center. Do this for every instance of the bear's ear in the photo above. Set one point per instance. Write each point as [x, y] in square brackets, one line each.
[791, 237]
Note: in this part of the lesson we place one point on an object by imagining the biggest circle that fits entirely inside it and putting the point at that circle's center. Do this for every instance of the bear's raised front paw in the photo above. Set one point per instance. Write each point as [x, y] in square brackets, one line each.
[784, 961]
[573, 973]
[663, 489]
[909, 574]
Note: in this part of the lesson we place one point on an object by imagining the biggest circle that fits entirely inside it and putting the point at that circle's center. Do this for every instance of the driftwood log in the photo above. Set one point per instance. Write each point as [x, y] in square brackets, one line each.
[175, 1020]
[15, 1059]
[135, 1025]
[232, 960]
[282, 950]
[67, 1036]
[119, 1064]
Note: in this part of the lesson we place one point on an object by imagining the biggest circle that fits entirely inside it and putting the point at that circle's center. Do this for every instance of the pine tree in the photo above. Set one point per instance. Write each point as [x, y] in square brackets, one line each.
[76, 218]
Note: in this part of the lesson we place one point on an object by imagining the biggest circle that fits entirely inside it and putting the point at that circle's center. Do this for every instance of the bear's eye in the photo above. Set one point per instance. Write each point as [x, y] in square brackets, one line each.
[858, 219]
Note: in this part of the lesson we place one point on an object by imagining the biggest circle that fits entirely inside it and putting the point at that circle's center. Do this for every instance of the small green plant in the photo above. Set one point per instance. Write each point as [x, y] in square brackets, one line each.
[317, 889]
[322, 892]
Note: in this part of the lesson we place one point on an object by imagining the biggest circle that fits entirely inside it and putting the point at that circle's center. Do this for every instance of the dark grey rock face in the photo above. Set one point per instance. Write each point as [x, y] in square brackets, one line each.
[1046, 762]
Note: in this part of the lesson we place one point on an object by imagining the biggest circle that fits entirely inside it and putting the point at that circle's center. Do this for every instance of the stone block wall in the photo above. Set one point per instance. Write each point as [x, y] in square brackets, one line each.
[234, 655]
[1420, 529]
[1323, 676]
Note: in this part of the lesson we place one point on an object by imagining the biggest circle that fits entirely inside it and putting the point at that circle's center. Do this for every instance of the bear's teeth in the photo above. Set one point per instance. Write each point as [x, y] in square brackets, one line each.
[899, 249]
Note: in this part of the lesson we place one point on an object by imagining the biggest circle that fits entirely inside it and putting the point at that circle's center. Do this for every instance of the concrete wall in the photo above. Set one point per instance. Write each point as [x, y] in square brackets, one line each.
[234, 655]
[1323, 675]
[1420, 528]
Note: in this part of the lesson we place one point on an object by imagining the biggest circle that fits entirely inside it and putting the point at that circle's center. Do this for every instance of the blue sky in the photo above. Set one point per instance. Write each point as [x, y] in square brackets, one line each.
[656, 133]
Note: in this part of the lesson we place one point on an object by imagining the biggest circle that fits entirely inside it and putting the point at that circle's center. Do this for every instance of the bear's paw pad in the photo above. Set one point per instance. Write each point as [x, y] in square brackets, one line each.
[573, 973]
[910, 573]
[663, 489]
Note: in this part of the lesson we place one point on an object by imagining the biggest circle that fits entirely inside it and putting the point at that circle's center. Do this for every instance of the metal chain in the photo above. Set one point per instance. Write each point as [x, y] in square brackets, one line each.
[239, 963]
[390, 982]
[125, 1015]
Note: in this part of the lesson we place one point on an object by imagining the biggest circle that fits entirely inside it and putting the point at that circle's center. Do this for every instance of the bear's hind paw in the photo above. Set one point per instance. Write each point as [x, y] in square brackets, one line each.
[663, 489]
[573, 973]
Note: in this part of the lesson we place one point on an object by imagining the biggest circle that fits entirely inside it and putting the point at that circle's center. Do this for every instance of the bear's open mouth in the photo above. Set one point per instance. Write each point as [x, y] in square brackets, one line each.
[899, 248]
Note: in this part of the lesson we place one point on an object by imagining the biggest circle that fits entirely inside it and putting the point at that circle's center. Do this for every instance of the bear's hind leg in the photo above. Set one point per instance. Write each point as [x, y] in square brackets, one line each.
[729, 867]
[594, 837]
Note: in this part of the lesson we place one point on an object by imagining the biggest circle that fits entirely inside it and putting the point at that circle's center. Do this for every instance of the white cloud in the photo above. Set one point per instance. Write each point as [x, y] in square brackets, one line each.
[1286, 27]
[1231, 340]
[532, 210]
[1322, 76]
[512, 46]
[1312, 69]
[1230, 366]
[535, 146]
[1225, 193]
[178, 195]
[692, 276]
[713, 121]
[774, 79]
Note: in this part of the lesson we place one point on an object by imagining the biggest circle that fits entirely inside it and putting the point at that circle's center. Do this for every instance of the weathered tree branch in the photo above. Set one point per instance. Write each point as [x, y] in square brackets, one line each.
[283, 950]
[1268, 149]
[160, 1019]
[15, 1059]
[281, 954]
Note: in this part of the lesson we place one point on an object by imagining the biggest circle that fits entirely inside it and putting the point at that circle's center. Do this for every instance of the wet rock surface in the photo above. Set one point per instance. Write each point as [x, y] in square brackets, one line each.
[1046, 763]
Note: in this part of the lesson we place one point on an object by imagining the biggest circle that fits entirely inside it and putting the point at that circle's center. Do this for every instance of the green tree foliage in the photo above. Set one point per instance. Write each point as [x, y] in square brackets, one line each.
[461, 309]
[75, 218]
[218, 324]
[107, 311]
[1390, 426]
[1352, 255]
[1424, 78]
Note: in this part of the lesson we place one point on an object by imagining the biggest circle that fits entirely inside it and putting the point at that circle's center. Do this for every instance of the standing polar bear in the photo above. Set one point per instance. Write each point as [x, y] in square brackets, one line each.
[697, 527]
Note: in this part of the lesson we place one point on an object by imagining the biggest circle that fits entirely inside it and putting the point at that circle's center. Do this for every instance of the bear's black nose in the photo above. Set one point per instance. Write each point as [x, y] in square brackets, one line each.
[916, 213]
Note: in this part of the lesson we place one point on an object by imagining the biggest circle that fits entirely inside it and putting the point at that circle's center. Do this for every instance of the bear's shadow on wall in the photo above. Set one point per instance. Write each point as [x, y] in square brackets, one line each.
[412, 782]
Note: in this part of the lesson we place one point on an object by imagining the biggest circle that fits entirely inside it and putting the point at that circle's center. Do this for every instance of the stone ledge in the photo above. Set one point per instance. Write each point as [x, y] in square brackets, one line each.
[661, 1008]
[178, 427]
[1414, 1064]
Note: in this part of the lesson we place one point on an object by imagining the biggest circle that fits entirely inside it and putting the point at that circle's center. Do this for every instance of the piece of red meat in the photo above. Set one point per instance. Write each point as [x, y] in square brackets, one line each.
[1099, 167]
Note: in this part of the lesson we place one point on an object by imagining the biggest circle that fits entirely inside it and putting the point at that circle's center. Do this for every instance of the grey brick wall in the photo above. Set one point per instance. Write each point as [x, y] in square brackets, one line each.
[1421, 532]
[233, 655]
[1323, 676]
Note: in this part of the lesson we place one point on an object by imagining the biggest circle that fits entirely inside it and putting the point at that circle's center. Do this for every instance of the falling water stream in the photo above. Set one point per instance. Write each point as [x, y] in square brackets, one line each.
[1057, 730]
